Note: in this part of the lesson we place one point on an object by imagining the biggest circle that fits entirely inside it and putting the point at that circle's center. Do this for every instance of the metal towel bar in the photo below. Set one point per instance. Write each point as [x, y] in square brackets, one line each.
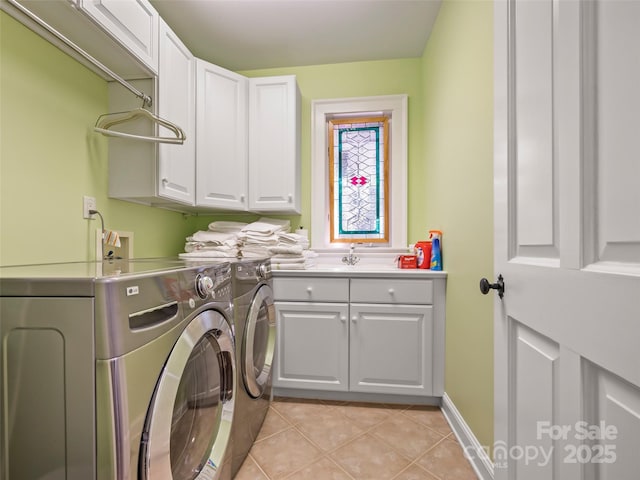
[146, 99]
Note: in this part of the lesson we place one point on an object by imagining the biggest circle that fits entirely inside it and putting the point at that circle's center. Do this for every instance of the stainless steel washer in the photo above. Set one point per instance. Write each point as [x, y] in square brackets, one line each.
[122, 370]
[255, 326]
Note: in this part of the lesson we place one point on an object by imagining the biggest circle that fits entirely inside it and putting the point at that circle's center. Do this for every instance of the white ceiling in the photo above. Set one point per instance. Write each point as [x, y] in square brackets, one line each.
[254, 34]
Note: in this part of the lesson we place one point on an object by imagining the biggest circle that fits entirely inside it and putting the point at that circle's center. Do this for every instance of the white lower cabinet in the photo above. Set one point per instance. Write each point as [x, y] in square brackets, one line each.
[390, 349]
[313, 345]
[329, 339]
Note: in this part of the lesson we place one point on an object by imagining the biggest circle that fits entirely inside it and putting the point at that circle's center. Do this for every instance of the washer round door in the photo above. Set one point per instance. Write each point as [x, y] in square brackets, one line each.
[258, 343]
[189, 422]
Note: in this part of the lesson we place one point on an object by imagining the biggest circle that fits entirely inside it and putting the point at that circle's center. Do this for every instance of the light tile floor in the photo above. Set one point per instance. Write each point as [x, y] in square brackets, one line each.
[325, 440]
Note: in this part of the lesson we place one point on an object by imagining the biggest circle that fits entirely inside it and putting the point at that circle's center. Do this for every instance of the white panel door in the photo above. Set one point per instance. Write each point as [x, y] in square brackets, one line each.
[567, 239]
[176, 102]
[222, 138]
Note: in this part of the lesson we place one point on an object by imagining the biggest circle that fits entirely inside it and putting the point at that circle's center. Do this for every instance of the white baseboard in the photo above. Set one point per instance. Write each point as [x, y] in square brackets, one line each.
[477, 455]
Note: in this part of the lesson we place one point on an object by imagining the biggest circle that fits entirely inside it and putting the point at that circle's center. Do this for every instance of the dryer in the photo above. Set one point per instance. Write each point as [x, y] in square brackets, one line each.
[255, 330]
[120, 370]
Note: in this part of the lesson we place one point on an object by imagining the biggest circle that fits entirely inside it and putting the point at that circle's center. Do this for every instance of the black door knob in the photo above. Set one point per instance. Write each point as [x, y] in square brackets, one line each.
[485, 286]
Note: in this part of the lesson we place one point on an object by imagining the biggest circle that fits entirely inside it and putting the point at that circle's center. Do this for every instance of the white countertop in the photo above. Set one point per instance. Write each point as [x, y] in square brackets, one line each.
[355, 271]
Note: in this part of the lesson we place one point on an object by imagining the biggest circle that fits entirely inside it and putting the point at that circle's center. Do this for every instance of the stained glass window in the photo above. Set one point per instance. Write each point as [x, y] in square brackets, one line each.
[358, 177]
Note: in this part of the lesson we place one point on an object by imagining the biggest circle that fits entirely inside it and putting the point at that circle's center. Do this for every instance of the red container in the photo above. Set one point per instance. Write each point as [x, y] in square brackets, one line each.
[407, 261]
[423, 252]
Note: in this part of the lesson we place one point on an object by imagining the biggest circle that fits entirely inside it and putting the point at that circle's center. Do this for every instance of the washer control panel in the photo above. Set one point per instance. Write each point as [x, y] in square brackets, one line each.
[206, 283]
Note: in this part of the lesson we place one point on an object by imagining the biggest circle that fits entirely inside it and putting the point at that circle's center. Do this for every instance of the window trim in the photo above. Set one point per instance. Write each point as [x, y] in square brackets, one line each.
[395, 106]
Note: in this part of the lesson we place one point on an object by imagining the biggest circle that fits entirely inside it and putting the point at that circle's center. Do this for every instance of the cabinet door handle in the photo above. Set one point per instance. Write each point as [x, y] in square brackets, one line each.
[290, 198]
[354, 318]
[309, 290]
[391, 291]
[242, 198]
[165, 180]
[343, 319]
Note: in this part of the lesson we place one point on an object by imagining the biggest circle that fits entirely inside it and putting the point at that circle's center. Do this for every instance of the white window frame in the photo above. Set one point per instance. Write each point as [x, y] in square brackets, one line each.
[394, 106]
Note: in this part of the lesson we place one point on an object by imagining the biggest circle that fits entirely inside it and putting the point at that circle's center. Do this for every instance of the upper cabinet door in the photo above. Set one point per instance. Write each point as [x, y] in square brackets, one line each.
[134, 23]
[222, 125]
[274, 144]
[176, 102]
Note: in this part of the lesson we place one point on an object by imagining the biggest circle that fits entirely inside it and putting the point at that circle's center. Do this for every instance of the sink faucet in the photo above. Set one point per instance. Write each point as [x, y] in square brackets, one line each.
[351, 259]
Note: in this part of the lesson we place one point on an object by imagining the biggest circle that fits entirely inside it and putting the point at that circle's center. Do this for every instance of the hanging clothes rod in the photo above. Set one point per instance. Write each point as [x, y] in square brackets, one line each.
[146, 99]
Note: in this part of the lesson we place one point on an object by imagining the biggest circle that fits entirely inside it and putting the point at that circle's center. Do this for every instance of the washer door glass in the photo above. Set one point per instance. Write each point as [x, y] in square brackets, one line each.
[188, 425]
[259, 342]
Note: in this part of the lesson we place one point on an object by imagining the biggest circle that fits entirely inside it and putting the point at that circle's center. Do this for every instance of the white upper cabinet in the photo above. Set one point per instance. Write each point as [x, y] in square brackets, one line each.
[176, 102]
[221, 138]
[158, 174]
[133, 23]
[274, 144]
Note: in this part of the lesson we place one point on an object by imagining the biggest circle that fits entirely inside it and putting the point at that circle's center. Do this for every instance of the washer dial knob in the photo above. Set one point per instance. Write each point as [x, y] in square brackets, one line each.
[204, 286]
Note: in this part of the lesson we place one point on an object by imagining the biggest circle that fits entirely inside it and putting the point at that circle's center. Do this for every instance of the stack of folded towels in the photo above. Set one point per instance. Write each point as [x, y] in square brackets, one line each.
[256, 238]
[266, 237]
[221, 240]
[291, 252]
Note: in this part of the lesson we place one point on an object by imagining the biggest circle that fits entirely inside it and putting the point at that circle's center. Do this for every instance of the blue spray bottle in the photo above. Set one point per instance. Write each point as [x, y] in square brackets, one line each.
[436, 249]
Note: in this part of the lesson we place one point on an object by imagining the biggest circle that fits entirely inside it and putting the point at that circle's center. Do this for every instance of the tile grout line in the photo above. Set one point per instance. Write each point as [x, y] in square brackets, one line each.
[327, 453]
[295, 425]
[289, 425]
[425, 425]
[259, 467]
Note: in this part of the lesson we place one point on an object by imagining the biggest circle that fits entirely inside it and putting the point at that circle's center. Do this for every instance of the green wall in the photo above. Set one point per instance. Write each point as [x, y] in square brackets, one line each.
[450, 151]
[457, 67]
[359, 79]
[50, 158]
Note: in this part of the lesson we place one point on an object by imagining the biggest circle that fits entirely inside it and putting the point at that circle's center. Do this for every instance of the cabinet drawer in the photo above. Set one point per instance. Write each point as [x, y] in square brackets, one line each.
[368, 290]
[311, 289]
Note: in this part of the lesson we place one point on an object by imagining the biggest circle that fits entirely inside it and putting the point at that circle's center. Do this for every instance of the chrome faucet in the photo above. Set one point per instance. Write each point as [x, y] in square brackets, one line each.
[351, 259]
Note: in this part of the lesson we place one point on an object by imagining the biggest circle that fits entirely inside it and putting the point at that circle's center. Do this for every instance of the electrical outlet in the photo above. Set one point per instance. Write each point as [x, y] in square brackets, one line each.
[88, 203]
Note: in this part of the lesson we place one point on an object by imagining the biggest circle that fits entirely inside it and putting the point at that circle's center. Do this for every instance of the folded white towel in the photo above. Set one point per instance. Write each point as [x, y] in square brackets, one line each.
[212, 237]
[226, 226]
[286, 250]
[254, 251]
[208, 254]
[268, 226]
[258, 239]
[292, 238]
[289, 239]
[197, 247]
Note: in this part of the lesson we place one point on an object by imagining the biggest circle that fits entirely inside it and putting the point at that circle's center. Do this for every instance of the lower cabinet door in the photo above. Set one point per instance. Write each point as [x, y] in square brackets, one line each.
[312, 346]
[391, 349]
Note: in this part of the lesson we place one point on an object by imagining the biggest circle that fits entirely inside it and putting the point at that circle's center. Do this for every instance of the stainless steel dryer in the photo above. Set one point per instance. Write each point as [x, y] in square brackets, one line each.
[255, 331]
[117, 371]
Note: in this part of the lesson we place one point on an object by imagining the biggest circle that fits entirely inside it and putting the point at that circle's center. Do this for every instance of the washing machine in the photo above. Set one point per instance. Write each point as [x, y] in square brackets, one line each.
[121, 370]
[255, 329]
